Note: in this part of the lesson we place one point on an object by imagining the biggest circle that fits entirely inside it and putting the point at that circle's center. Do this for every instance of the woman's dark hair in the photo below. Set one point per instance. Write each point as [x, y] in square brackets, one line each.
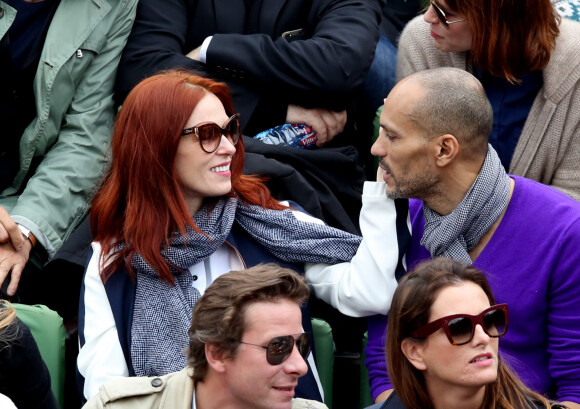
[411, 308]
[140, 203]
[510, 38]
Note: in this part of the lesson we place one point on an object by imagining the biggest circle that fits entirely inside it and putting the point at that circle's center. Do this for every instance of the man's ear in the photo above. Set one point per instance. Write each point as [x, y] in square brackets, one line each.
[447, 149]
[414, 353]
[216, 357]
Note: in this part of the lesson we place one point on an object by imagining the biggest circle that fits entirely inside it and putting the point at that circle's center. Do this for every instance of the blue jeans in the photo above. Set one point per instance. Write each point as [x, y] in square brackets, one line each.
[382, 75]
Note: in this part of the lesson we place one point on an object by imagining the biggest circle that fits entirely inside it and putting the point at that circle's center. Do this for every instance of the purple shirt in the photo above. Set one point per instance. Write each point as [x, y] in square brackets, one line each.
[532, 263]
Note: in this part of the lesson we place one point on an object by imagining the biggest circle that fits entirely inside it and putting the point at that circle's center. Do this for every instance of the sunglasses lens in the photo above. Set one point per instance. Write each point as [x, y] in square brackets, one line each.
[494, 322]
[439, 13]
[279, 349]
[461, 330]
[303, 344]
[233, 130]
[209, 136]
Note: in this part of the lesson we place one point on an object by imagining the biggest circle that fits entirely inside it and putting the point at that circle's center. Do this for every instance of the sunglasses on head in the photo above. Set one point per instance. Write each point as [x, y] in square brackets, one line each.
[441, 15]
[210, 134]
[280, 348]
[459, 328]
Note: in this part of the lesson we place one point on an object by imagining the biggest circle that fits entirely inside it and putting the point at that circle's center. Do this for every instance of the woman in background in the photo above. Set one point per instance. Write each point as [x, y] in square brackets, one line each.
[527, 59]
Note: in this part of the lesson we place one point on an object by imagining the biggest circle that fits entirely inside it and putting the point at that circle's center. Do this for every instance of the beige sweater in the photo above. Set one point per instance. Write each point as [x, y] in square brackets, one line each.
[548, 150]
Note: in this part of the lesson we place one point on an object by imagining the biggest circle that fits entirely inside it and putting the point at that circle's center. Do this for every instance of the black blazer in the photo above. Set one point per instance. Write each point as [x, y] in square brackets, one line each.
[313, 53]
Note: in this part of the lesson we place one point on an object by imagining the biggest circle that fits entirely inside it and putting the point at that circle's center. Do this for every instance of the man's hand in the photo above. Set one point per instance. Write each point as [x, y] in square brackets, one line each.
[14, 251]
[380, 174]
[12, 260]
[327, 124]
[194, 54]
[9, 231]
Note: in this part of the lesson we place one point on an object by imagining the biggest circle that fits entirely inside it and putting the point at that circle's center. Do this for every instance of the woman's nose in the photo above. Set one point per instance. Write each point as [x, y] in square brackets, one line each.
[480, 336]
[430, 16]
[226, 147]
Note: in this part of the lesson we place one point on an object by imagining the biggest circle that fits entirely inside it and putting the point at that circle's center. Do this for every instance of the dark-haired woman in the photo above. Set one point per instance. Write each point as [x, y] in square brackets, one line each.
[527, 59]
[442, 347]
[174, 213]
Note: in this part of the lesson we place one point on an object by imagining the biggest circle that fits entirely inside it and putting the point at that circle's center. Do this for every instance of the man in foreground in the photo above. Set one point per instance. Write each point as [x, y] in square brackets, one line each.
[247, 349]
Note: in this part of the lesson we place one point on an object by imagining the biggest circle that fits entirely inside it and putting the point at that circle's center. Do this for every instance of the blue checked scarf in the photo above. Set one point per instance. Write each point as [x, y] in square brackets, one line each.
[455, 234]
[162, 313]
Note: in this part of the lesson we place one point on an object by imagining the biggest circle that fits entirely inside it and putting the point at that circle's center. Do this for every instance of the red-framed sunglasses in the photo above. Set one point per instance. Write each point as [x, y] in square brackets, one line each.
[460, 328]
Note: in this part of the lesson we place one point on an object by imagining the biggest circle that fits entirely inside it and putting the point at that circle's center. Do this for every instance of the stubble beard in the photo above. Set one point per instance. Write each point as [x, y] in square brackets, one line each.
[421, 186]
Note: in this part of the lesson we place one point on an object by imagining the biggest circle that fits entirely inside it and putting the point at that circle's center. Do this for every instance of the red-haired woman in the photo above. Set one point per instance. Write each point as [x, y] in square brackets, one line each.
[175, 212]
[527, 59]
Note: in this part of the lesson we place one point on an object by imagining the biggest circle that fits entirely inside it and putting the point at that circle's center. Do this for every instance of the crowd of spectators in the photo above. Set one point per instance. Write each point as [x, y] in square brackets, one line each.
[130, 179]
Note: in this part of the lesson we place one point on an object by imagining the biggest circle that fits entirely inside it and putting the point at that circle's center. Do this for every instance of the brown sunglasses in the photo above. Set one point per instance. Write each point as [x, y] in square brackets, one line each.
[210, 134]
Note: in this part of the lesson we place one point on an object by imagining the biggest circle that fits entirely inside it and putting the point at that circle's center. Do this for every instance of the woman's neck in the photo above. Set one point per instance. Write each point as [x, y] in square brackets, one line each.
[458, 397]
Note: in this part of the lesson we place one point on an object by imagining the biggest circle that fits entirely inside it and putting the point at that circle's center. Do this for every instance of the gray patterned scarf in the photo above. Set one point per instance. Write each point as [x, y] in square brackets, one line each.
[162, 313]
[457, 233]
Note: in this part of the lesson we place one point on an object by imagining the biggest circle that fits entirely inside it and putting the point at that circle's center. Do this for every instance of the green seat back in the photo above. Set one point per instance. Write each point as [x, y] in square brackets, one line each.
[324, 347]
[49, 333]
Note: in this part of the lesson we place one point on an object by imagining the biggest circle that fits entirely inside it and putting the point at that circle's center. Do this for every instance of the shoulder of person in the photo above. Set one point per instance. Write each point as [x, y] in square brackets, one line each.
[300, 403]
[146, 390]
[392, 402]
[570, 28]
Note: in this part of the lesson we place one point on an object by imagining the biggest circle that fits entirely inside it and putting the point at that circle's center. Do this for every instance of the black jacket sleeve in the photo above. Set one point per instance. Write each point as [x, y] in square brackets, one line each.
[320, 66]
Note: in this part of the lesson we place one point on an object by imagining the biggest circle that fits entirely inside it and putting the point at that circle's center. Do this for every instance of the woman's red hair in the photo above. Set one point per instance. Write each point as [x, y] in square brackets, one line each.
[510, 38]
[140, 203]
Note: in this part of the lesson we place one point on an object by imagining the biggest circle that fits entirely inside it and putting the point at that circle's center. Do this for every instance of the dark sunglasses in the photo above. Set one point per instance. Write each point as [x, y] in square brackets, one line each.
[441, 15]
[459, 328]
[280, 348]
[210, 134]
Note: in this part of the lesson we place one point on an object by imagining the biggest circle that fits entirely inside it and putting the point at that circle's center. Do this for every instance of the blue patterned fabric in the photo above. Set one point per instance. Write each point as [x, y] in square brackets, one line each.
[568, 8]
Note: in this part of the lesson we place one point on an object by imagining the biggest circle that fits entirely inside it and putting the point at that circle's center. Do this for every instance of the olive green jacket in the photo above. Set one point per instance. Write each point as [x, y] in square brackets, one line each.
[172, 391]
[63, 150]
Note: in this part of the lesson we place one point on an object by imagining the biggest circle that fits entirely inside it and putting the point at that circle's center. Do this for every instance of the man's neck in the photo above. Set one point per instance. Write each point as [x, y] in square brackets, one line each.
[454, 185]
[213, 394]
